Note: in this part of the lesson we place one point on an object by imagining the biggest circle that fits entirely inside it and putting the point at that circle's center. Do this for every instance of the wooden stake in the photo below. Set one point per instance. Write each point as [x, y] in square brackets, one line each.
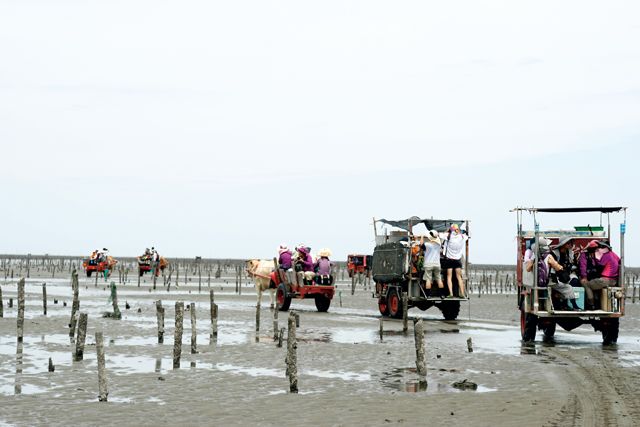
[160, 317]
[102, 376]
[177, 345]
[194, 333]
[44, 298]
[280, 337]
[257, 322]
[421, 364]
[82, 335]
[51, 366]
[469, 345]
[275, 324]
[114, 300]
[20, 309]
[213, 337]
[75, 305]
[292, 357]
[1, 304]
[381, 328]
[405, 313]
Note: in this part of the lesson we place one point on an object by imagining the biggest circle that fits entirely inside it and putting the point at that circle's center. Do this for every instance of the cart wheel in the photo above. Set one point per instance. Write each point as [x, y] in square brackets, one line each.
[322, 303]
[89, 273]
[528, 326]
[383, 306]
[549, 330]
[283, 301]
[610, 328]
[450, 309]
[394, 302]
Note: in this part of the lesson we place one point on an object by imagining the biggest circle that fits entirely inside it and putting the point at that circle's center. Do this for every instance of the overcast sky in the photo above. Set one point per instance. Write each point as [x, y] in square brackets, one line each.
[223, 129]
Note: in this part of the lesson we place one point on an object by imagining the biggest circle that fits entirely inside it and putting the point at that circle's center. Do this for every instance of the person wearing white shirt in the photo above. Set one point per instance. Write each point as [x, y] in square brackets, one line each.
[454, 247]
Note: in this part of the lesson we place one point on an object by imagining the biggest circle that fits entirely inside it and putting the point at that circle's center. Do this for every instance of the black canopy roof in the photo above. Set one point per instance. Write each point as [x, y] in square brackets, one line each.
[440, 225]
[566, 210]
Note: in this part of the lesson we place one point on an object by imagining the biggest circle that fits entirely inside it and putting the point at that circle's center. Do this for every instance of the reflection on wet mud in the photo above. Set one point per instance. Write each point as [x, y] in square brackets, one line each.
[18, 383]
[407, 380]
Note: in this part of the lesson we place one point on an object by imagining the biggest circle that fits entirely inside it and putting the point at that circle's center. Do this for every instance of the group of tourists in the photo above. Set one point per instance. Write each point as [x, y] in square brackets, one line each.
[437, 253]
[301, 261]
[150, 256]
[98, 256]
[564, 266]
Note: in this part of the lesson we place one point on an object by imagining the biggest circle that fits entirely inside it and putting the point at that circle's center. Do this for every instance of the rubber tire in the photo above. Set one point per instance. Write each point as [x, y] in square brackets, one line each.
[528, 326]
[549, 330]
[394, 302]
[322, 303]
[450, 309]
[283, 301]
[383, 306]
[89, 273]
[610, 329]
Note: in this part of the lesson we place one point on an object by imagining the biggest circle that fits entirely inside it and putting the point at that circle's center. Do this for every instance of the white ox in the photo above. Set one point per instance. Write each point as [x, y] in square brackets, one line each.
[260, 270]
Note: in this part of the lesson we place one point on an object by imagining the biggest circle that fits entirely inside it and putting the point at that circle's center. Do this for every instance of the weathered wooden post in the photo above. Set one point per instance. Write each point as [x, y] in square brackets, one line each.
[160, 317]
[469, 345]
[418, 334]
[51, 367]
[102, 376]
[114, 300]
[213, 311]
[199, 278]
[405, 312]
[44, 298]
[280, 337]
[239, 280]
[20, 309]
[340, 297]
[1, 304]
[177, 345]
[381, 328]
[353, 283]
[292, 357]
[139, 276]
[257, 322]
[275, 324]
[194, 332]
[75, 305]
[82, 335]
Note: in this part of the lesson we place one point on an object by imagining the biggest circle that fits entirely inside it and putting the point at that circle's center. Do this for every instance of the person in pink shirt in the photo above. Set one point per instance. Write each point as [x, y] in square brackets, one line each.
[609, 262]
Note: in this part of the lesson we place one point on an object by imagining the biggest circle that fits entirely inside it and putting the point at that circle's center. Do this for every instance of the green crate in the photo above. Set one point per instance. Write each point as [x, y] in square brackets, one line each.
[587, 228]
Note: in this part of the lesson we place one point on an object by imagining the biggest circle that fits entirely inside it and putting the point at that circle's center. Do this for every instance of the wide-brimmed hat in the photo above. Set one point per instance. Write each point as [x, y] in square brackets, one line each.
[604, 244]
[544, 243]
[324, 252]
[592, 245]
[282, 248]
[563, 241]
[433, 236]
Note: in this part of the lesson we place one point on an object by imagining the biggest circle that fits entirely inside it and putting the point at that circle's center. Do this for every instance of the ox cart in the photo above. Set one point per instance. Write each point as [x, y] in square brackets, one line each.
[99, 265]
[293, 285]
[542, 306]
[397, 273]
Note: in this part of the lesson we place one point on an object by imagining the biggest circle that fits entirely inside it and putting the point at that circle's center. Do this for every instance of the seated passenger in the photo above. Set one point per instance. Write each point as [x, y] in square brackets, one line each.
[560, 279]
[322, 267]
[304, 263]
[610, 264]
[285, 262]
[432, 269]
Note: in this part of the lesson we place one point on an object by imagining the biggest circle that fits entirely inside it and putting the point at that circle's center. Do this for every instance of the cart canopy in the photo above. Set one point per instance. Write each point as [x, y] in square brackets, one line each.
[574, 210]
[440, 225]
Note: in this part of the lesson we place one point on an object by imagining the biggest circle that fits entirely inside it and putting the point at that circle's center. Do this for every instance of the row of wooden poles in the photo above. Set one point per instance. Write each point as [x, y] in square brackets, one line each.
[79, 320]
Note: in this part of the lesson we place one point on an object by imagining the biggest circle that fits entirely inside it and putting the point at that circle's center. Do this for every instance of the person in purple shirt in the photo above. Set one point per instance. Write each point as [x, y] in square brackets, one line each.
[322, 267]
[609, 265]
[304, 263]
[284, 260]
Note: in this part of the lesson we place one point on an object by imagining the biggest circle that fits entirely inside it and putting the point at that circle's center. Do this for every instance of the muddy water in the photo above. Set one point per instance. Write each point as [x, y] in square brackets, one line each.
[343, 364]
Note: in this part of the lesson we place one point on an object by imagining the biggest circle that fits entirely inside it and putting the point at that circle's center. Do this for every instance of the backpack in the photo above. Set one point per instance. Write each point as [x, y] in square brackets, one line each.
[543, 270]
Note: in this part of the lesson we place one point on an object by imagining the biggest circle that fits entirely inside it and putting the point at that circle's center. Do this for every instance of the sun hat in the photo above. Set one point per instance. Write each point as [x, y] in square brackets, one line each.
[324, 253]
[563, 241]
[283, 248]
[592, 244]
[455, 227]
[433, 236]
[604, 245]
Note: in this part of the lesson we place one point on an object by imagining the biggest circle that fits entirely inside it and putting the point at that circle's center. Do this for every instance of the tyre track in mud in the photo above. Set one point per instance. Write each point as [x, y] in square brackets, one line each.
[599, 391]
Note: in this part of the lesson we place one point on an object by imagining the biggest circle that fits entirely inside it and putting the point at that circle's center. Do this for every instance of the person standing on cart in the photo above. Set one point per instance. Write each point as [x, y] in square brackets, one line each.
[432, 268]
[453, 251]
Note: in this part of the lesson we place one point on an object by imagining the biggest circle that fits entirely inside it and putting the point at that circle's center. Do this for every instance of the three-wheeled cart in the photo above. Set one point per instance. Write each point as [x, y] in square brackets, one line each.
[395, 273]
[541, 309]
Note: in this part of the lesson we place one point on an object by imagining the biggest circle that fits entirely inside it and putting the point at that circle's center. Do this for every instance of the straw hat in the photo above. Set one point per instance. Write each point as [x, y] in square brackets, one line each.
[324, 253]
[433, 236]
[283, 248]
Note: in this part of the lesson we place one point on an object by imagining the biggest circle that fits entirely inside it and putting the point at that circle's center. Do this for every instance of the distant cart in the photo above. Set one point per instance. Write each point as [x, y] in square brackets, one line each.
[358, 264]
[394, 273]
[540, 309]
